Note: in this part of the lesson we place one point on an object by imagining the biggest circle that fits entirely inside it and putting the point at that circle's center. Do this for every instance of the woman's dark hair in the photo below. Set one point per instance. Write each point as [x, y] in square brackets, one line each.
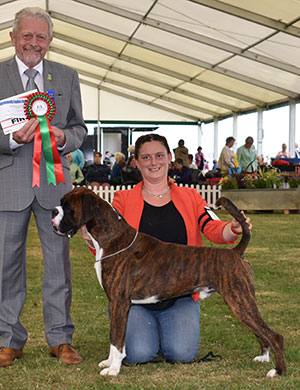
[229, 139]
[149, 138]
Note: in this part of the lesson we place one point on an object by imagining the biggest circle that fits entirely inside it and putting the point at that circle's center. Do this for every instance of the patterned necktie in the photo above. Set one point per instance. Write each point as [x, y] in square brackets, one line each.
[31, 73]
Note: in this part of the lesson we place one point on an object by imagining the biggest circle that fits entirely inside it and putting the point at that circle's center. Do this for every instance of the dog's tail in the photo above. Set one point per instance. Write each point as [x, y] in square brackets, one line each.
[233, 210]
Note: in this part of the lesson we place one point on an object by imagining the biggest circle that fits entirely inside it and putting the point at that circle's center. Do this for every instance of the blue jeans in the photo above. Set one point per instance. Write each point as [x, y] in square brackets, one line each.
[174, 331]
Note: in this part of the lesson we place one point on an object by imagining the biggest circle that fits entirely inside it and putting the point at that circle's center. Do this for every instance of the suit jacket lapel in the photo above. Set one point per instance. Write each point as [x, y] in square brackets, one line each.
[47, 76]
[14, 76]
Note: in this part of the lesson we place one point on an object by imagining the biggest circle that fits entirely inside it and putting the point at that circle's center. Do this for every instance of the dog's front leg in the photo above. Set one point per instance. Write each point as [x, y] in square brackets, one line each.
[118, 323]
[114, 361]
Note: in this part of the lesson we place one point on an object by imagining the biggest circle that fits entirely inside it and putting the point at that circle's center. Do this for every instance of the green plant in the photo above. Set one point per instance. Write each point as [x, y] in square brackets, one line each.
[294, 183]
[267, 177]
[271, 176]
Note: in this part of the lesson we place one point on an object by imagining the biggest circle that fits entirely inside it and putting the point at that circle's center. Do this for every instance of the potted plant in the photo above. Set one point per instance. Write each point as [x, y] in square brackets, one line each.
[261, 191]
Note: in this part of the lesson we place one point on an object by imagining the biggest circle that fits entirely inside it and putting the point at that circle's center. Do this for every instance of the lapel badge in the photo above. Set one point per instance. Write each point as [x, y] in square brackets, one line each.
[49, 77]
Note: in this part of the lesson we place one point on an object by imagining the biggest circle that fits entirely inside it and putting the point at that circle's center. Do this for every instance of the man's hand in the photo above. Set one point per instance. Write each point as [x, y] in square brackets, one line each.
[59, 136]
[26, 134]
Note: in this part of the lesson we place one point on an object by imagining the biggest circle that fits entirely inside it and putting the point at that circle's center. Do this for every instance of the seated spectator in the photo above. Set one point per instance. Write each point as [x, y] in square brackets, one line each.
[283, 153]
[192, 165]
[78, 158]
[76, 173]
[215, 162]
[181, 174]
[131, 174]
[116, 172]
[97, 173]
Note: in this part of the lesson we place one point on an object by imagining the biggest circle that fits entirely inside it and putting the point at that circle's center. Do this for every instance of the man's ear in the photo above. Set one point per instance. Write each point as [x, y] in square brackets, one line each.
[12, 38]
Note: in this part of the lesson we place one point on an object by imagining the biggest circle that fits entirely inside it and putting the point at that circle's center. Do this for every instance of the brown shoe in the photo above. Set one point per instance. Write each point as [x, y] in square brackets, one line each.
[8, 355]
[66, 353]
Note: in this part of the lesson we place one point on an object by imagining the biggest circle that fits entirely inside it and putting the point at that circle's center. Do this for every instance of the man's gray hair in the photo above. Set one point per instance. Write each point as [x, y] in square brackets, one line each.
[33, 12]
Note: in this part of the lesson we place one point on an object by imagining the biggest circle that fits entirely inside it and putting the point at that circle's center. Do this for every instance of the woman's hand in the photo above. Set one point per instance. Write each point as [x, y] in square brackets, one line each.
[233, 229]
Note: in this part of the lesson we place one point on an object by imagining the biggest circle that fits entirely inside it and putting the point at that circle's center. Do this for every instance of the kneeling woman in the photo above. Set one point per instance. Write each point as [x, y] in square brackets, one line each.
[161, 209]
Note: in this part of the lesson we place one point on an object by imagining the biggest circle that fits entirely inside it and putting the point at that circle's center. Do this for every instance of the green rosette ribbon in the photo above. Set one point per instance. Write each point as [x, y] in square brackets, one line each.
[41, 106]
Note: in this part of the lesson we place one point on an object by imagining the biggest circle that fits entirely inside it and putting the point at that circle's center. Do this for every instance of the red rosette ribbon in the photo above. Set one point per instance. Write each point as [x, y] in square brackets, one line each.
[41, 106]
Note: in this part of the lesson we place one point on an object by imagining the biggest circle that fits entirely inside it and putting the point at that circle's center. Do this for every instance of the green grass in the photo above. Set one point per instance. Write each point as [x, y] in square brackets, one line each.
[274, 252]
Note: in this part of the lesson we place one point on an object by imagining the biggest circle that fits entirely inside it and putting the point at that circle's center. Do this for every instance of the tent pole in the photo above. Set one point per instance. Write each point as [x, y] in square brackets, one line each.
[292, 127]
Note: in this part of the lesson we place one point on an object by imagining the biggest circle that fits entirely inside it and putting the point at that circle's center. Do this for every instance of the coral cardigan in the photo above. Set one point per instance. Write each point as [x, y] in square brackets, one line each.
[193, 208]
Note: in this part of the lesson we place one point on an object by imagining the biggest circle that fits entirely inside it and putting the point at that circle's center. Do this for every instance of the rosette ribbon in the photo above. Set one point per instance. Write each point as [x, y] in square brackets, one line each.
[39, 105]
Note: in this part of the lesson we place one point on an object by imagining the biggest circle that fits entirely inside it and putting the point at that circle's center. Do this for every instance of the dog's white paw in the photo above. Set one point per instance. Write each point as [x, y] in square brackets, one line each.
[262, 358]
[265, 357]
[104, 363]
[112, 371]
[272, 373]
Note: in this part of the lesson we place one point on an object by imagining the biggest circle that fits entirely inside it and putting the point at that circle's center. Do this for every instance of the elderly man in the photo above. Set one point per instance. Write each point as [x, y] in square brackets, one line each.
[20, 196]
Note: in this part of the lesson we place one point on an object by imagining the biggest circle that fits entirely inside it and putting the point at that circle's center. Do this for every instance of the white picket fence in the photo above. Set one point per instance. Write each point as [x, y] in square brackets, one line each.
[209, 193]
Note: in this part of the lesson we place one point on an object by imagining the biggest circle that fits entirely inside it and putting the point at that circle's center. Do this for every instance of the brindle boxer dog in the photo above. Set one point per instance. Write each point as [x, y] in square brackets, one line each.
[136, 268]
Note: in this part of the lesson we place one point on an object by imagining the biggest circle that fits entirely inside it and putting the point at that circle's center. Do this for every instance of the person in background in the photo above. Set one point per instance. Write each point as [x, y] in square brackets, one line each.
[130, 173]
[20, 198]
[181, 174]
[116, 172]
[215, 163]
[107, 159]
[247, 156]
[98, 174]
[199, 158]
[182, 152]
[163, 210]
[78, 158]
[227, 159]
[76, 173]
[130, 150]
[283, 153]
[192, 165]
[297, 151]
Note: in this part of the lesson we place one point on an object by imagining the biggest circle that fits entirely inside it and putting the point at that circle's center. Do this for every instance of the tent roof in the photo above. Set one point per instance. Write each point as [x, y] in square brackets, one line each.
[197, 59]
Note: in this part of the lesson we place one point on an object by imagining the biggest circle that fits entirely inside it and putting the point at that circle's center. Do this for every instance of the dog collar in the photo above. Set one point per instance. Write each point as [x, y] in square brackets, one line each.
[121, 250]
[71, 232]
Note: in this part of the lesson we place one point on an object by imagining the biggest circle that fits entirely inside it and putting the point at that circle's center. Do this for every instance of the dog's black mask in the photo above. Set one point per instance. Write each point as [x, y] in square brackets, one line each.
[67, 225]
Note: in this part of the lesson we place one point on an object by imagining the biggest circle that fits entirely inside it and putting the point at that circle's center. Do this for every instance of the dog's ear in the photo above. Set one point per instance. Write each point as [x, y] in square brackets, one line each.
[88, 208]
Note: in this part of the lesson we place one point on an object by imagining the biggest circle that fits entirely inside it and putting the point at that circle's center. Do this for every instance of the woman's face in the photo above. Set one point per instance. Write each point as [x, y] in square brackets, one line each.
[153, 161]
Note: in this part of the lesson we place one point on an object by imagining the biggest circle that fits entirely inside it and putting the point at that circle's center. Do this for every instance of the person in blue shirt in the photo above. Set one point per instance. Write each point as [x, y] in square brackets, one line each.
[181, 174]
[78, 158]
[116, 172]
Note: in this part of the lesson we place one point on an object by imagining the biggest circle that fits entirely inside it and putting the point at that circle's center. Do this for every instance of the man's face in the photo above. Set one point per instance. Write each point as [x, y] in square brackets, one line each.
[32, 41]
[97, 159]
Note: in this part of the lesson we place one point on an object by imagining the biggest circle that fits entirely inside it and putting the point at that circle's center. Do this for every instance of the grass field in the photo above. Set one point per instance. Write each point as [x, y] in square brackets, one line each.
[274, 252]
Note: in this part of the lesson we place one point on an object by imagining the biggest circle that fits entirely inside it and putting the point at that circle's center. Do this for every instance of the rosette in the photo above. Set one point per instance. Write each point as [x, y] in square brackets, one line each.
[39, 105]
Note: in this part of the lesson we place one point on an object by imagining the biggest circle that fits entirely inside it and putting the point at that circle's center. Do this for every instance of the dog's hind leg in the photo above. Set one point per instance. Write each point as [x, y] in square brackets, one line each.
[265, 352]
[245, 310]
[118, 322]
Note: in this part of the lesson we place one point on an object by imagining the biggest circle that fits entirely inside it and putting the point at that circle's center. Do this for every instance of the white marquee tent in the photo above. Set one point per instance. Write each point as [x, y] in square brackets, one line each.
[174, 60]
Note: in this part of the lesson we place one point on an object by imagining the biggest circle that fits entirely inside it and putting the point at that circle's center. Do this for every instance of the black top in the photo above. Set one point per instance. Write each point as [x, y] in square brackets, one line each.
[98, 173]
[166, 224]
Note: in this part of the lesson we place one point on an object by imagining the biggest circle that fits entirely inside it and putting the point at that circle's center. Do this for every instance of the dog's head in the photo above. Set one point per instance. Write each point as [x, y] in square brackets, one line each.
[78, 207]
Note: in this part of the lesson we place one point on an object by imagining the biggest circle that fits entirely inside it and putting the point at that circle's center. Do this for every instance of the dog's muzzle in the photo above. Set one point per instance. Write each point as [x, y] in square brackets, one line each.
[57, 216]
